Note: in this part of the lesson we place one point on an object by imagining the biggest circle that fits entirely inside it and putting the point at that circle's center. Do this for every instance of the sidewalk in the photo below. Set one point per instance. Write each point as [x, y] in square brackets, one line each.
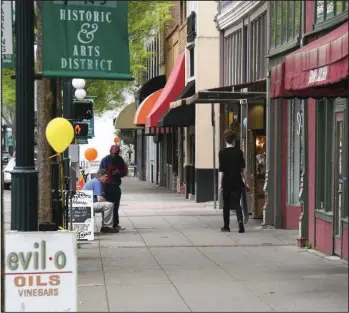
[173, 257]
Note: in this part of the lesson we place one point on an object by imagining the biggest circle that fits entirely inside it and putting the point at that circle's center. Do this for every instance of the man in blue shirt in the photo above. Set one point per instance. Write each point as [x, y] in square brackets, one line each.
[99, 202]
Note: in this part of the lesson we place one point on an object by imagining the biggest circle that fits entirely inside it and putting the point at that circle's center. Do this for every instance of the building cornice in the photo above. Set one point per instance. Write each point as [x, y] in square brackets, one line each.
[233, 13]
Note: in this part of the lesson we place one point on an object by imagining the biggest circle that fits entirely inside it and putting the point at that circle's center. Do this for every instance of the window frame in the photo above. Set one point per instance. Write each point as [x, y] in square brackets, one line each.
[283, 28]
[182, 12]
[335, 15]
[190, 52]
[323, 159]
[295, 157]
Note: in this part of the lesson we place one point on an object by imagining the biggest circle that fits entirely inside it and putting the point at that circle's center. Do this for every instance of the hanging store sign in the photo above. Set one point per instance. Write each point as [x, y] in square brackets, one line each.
[7, 55]
[87, 39]
[40, 272]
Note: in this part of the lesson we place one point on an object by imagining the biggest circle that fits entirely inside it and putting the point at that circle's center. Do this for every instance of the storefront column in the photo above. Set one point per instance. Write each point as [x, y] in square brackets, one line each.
[278, 164]
[304, 199]
[268, 210]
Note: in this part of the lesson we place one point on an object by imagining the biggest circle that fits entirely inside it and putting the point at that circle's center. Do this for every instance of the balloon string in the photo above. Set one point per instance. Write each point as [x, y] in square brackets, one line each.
[61, 174]
[52, 156]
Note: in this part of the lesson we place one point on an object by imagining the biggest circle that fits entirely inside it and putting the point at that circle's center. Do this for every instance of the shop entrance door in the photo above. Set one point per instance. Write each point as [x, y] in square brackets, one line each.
[338, 181]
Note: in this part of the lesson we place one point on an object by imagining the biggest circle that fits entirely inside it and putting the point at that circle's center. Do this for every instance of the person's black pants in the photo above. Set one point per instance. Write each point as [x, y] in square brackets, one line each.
[113, 194]
[231, 200]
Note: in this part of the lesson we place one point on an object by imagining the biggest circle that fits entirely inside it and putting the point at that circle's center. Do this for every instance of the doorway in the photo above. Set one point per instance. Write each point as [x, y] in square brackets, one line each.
[338, 181]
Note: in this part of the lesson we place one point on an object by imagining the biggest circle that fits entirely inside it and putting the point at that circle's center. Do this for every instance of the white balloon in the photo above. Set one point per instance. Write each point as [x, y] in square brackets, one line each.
[78, 83]
[80, 93]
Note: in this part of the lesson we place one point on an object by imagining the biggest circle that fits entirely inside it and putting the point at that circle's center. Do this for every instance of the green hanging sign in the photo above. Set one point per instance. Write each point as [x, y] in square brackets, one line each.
[87, 39]
[7, 46]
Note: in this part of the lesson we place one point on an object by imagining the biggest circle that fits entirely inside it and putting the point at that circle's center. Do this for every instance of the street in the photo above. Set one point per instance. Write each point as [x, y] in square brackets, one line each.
[173, 257]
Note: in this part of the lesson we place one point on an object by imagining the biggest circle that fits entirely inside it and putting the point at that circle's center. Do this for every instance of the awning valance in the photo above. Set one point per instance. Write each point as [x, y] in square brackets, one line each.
[173, 88]
[145, 107]
[183, 115]
[208, 96]
[317, 70]
[125, 117]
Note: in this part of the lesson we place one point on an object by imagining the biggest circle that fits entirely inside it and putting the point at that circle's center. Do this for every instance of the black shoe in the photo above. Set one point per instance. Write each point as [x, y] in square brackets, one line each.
[109, 230]
[241, 227]
[119, 227]
[225, 229]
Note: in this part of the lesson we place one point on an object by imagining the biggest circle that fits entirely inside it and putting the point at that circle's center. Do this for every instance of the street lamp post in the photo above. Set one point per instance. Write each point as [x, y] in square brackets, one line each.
[24, 204]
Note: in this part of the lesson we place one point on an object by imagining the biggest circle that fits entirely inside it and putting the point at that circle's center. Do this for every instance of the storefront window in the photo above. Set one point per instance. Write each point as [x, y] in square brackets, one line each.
[320, 11]
[328, 9]
[323, 171]
[285, 22]
[284, 14]
[295, 150]
[278, 23]
[290, 20]
[272, 25]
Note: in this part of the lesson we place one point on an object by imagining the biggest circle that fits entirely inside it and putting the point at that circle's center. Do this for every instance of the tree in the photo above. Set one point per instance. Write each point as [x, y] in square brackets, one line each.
[109, 94]
[145, 18]
[9, 98]
[44, 96]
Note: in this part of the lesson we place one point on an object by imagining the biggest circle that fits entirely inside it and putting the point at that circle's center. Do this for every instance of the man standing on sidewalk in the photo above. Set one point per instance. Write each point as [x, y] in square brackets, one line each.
[116, 168]
[99, 202]
[231, 165]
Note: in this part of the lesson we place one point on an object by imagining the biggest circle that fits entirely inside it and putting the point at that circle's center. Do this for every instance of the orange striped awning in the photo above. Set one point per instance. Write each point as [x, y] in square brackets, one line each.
[145, 107]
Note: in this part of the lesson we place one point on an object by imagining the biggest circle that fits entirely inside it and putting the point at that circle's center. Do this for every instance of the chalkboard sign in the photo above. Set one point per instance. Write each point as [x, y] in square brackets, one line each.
[81, 215]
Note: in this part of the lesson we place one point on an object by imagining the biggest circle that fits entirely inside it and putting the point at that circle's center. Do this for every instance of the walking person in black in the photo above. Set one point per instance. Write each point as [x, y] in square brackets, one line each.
[231, 166]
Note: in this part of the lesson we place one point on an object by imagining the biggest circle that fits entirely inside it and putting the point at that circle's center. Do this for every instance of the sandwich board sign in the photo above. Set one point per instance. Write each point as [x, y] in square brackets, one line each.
[82, 219]
[40, 272]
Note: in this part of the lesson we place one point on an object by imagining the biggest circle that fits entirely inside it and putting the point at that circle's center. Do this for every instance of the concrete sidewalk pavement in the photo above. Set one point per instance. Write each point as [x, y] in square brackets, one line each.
[173, 257]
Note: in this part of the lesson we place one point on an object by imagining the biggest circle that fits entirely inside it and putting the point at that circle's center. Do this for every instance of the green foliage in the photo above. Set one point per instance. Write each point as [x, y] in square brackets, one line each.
[144, 19]
[8, 91]
[109, 94]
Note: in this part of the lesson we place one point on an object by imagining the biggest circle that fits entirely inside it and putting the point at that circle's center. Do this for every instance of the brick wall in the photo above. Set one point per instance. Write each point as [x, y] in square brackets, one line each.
[175, 35]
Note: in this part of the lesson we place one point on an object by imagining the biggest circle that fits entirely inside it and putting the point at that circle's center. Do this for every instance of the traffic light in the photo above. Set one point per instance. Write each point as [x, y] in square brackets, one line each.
[82, 110]
[80, 129]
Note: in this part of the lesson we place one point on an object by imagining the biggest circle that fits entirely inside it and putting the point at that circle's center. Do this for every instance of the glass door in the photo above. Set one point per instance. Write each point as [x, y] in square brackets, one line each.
[338, 180]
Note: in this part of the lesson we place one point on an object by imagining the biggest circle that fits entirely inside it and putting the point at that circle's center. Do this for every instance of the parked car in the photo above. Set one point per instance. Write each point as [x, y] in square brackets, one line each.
[5, 156]
[7, 172]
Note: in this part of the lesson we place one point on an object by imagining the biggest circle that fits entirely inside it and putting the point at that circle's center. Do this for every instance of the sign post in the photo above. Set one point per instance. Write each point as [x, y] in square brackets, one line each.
[87, 39]
[40, 272]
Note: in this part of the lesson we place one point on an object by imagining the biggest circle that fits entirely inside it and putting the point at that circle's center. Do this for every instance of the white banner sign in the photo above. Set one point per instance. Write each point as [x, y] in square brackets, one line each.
[82, 215]
[6, 31]
[40, 272]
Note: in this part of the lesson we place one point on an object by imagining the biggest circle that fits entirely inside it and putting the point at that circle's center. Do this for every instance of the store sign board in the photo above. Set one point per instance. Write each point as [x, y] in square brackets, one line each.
[87, 39]
[82, 215]
[40, 272]
[7, 51]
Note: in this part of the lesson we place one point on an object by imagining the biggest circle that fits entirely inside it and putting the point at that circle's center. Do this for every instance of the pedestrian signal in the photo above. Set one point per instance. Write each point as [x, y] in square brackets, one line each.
[80, 129]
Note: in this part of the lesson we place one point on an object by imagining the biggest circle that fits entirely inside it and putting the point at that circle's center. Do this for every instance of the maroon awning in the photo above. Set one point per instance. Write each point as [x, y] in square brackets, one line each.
[322, 62]
[316, 70]
[277, 81]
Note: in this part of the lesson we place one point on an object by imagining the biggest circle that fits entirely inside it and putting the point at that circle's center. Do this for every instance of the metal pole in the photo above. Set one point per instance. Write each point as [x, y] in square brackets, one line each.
[67, 112]
[214, 157]
[24, 193]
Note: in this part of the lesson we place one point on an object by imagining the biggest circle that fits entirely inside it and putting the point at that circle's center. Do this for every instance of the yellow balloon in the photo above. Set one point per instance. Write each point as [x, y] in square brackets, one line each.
[59, 134]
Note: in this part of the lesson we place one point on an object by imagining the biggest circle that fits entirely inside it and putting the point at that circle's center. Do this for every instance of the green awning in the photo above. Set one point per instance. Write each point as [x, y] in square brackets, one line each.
[125, 117]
